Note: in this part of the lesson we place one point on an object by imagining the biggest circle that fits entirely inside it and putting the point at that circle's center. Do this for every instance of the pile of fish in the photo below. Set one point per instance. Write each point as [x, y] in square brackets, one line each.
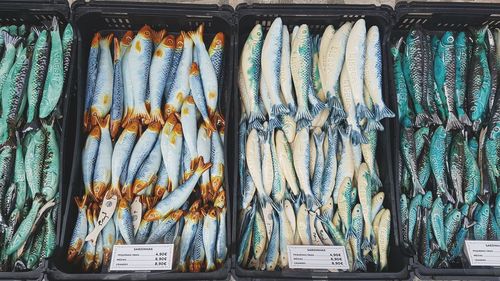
[449, 115]
[33, 70]
[154, 151]
[307, 164]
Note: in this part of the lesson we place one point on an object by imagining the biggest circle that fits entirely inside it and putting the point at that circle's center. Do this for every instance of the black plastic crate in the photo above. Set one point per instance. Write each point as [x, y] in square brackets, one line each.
[118, 17]
[318, 17]
[41, 12]
[437, 18]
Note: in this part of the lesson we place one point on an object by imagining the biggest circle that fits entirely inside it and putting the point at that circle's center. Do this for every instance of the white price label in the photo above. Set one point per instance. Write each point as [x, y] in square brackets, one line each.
[483, 253]
[142, 257]
[317, 257]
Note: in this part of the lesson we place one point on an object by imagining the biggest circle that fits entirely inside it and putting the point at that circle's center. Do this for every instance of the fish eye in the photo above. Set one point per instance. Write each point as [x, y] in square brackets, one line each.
[259, 33]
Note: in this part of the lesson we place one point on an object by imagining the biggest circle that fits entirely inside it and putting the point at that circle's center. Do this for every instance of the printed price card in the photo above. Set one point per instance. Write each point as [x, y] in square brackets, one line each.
[142, 257]
[317, 257]
[483, 253]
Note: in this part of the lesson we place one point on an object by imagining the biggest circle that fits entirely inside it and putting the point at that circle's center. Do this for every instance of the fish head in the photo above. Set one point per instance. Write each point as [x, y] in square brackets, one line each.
[127, 38]
[146, 32]
[176, 215]
[495, 131]
[256, 35]
[195, 206]
[169, 42]
[179, 42]
[379, 197]
[95, 40]
[74, 250]
[177, 130]
[427, 200]
[170, 124]
[213, 212]
[448, 39]
[154, 127]
[217, 43]
[356, 211]
[461, 39]
[133, 126]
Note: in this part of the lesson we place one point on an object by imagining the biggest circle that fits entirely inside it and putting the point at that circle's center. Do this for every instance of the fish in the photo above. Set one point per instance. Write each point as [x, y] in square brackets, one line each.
[438, 162]
[384, 231]
[19, 177]
[364, 193]
[250, 63]
[253, 160]
[34, 161]
[54, 80]
[24, 228]
[462, 67]
[300, 152]
[217, 161]
[38, 71]
[102, 170]
[456, 168]
[373, 73]
[355, 240]
[330, 170]
[118, 106]
[345, 167]
[160, 66]
[67, 41]
[286, 85]
[285, 161]
[51, 164]
[449, 59]
[481, 217]
[189, 126]
[187, 237]
[335, 58]
[207, 71]
[9, 56]
[472, 177]
[350, 108]
[319, 137]
[301, 65]
[400, 85]
[177, 197]
[124, 219]
[121, 154]
[210, 237]
[216, 53]
[345, 207]
[108, 241]
[102, 98]
[408, 152]
[198, 96]
[147, 173]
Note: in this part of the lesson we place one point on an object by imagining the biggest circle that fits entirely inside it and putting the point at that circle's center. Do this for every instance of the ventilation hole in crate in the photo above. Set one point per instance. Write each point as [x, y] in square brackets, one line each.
[405, 20]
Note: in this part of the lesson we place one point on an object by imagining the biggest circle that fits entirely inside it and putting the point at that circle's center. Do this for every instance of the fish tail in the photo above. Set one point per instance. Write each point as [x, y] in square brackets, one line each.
[182, 266]
[108, 39]
[382, 111]
[274, 123]
[373, 124]
[312, 202]
[211, 267]
[140, 112]
[10, 39]
[303, 118]
[256, 118]
[357, 137]
[453, 122]
[98, 189]
[159, 35]
[195, 266]
[292, 108]
[421, 119]
[449, 197]
[366, 244]
[32, 126]
[197, 35]
[279, 109]
[336, 105]
[209, 126]
[317, 105]
[201, 166]
[476, 124]
[155, 115]
[80, 202]
[436, 120]
[359, 264]
[417, 186]
[464, 119]
[375, 179]
[362, 111]
[115, 128]
[103, 123]
[55, 24]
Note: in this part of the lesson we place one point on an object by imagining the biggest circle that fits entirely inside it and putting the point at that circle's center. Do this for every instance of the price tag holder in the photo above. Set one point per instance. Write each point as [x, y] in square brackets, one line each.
[317, 257]
[483, 253]
[142, 257]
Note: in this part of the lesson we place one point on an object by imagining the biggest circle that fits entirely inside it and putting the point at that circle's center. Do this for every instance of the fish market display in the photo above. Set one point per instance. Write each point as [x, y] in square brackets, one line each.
[448, 103]
[311, 111]
[33, 71]
[154, 149]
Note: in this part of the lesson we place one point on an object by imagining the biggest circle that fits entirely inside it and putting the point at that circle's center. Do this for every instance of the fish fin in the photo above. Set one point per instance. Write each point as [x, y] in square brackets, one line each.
[382, 111]
[336, 106]
[36, 30]
[292, 108]
[366, 245]
[202, 166]
[182, 266]
[317, 105]
[485, 198]
[116, 50]
[279, 109]
[319, 138]
[115, 128]
[209, 127]
[421, 119]
[139, 112]
[369, 259]
[159, 35]
[357, 137]
[464, 119]
[362, 111]
[303, 118]
[312, 203]
[453, 122]
[103, 123]
[448, 197]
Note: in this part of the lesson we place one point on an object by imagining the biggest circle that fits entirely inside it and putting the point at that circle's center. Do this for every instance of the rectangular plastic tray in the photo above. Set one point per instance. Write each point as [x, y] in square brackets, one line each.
[438, 17]
[106, 16]
[39, 13]
[318, 17]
